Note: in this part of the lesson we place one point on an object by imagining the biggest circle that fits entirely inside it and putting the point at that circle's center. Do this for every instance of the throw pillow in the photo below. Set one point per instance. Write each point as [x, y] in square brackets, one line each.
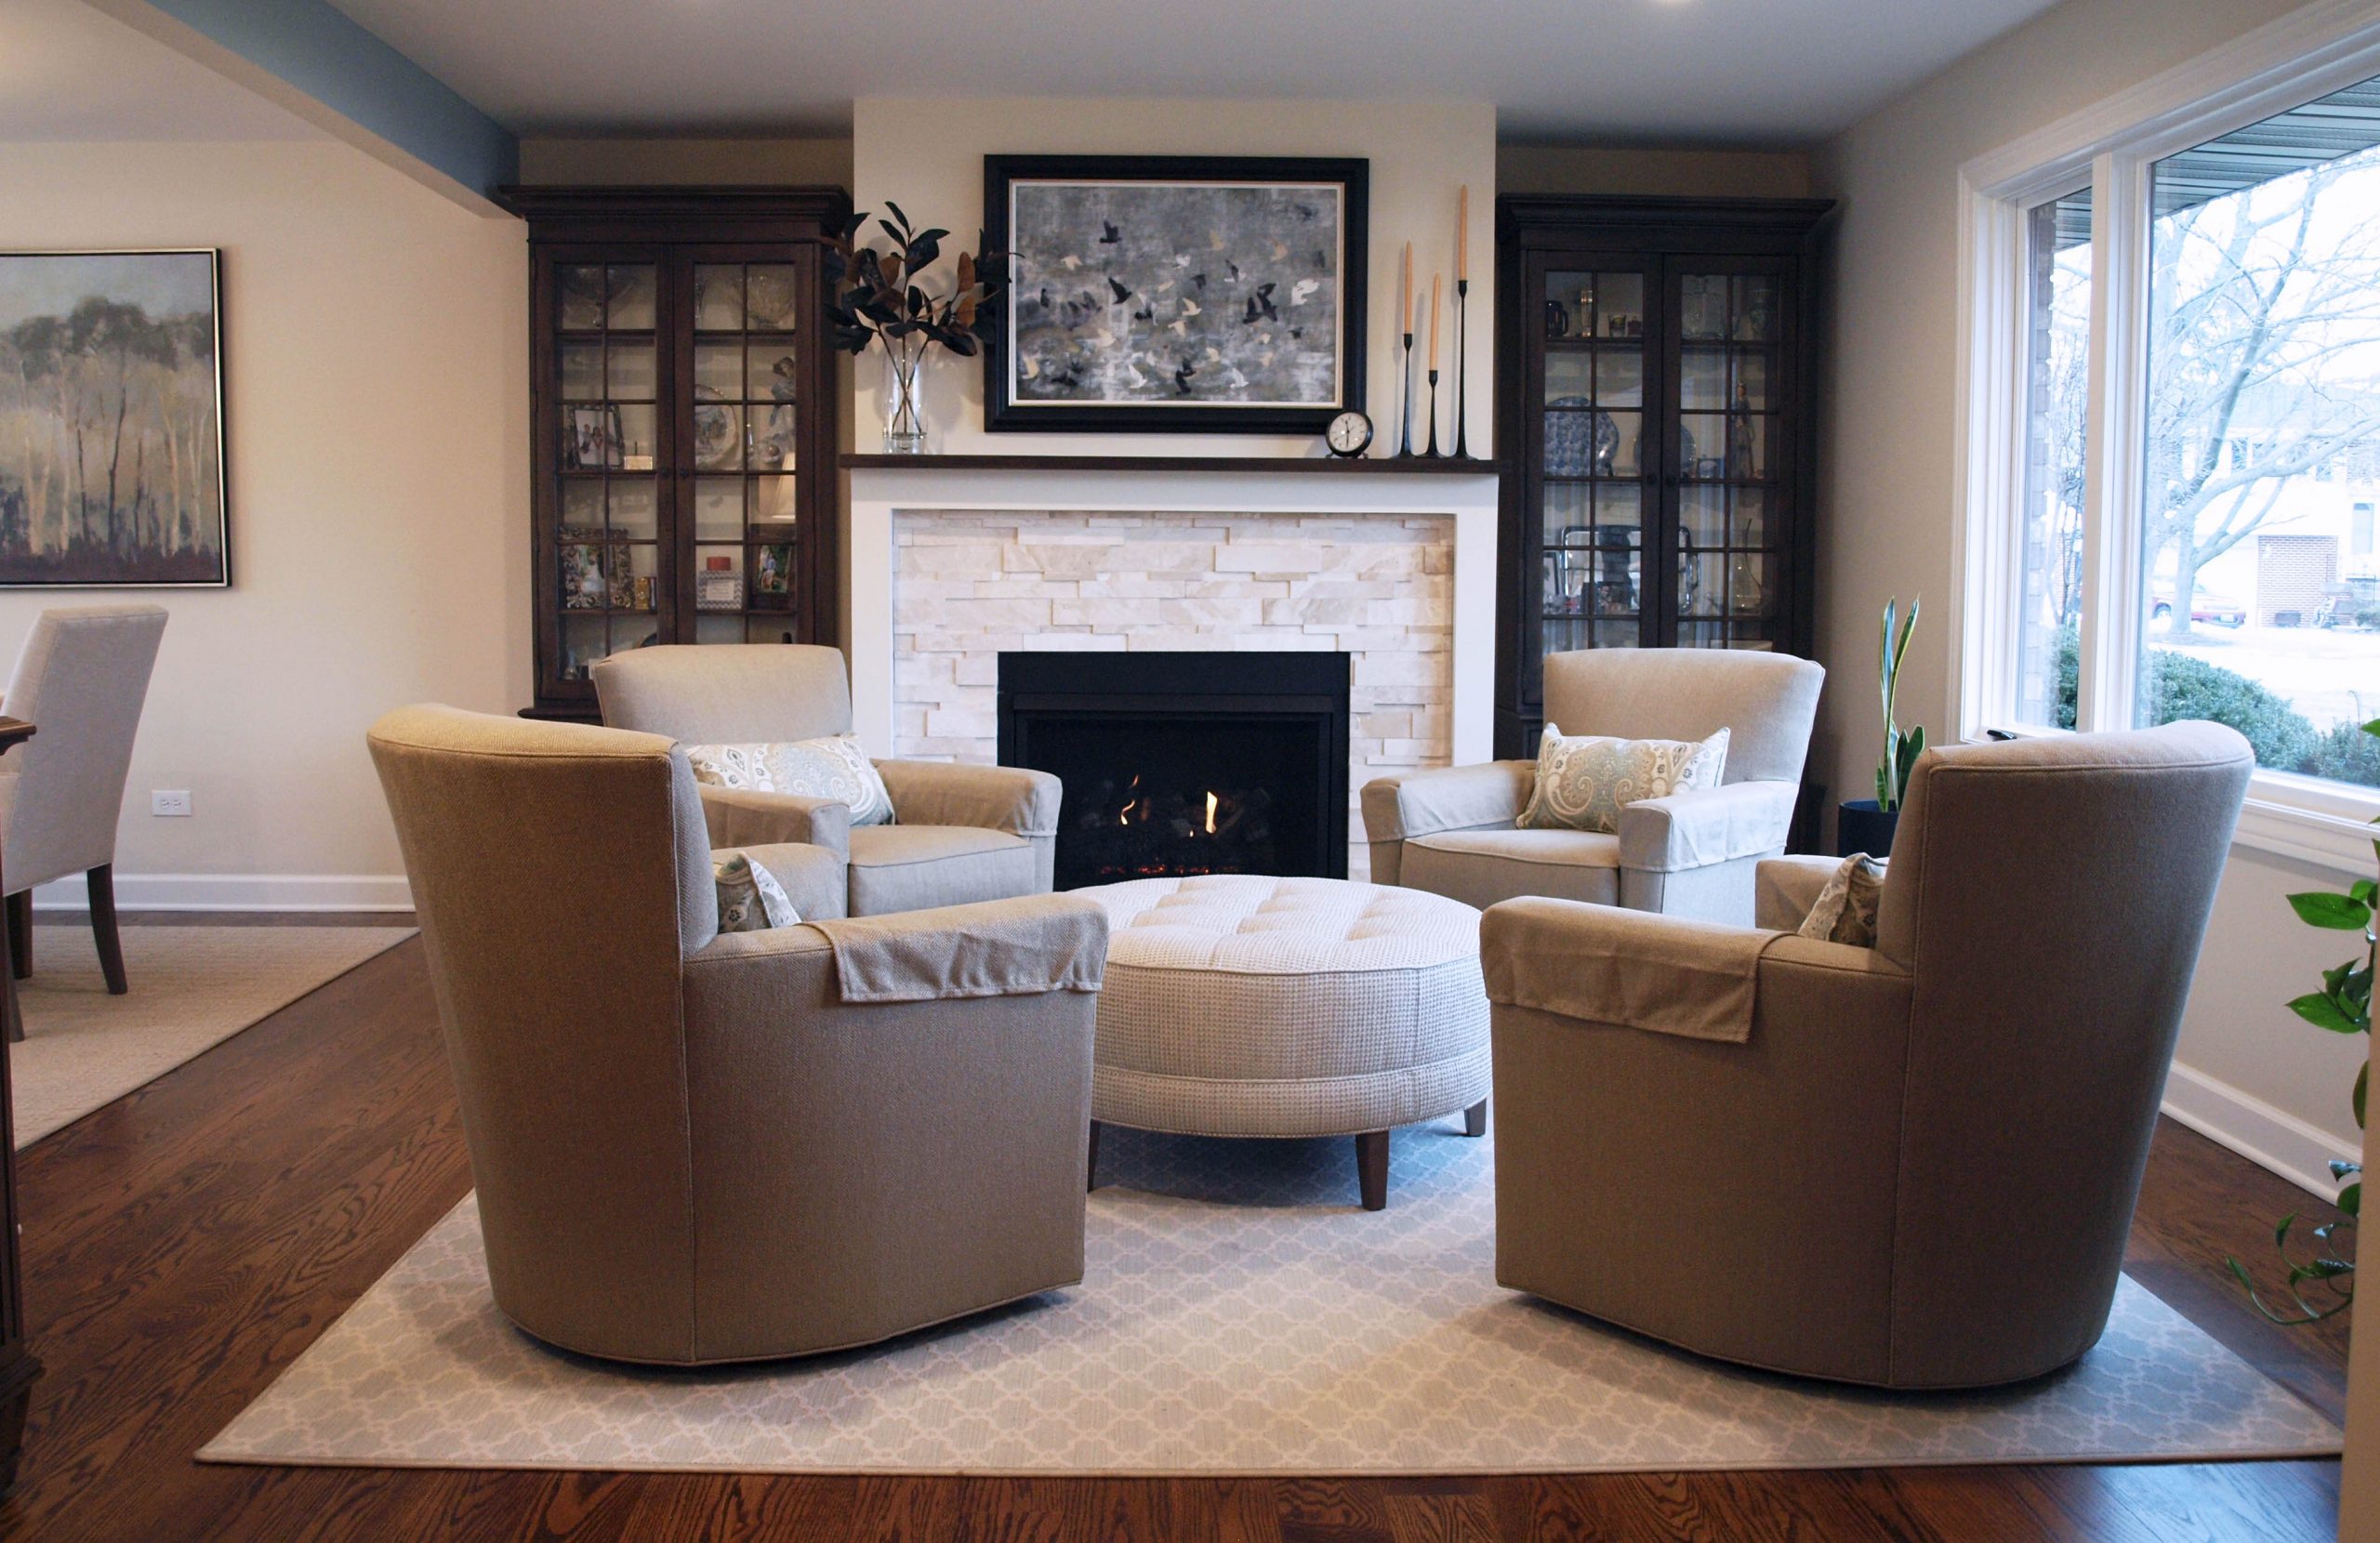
[1583, 779]
[1846, 909]
[834, 767]
[750, 899]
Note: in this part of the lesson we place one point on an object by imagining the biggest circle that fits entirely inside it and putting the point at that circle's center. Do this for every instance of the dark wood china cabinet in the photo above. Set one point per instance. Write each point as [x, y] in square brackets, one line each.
[682, 403]
[1654, 406]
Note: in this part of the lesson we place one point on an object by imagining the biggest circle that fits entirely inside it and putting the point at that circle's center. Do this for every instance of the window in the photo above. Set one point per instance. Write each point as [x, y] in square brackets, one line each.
[2058, 270]
[2170, 505]
[2264, 327]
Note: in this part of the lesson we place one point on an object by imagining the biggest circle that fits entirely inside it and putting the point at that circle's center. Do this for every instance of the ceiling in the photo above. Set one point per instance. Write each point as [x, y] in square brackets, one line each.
[68, 72]
[1741, 73]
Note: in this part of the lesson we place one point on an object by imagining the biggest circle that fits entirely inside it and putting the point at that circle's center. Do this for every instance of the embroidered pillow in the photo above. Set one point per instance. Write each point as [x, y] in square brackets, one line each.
[750, 899]
[834, 767]
[1583, 779]
[1846, 909]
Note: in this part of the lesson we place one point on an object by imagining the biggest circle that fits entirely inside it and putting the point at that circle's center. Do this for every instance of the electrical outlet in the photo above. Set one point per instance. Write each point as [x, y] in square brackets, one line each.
[169, 800]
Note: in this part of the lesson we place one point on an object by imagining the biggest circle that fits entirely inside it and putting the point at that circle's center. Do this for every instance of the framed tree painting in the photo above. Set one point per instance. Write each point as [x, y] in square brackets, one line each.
[1183, 294]
[112, 420]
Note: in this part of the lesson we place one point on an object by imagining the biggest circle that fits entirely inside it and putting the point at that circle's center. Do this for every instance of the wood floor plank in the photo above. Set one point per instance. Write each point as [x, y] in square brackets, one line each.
[186, 1243]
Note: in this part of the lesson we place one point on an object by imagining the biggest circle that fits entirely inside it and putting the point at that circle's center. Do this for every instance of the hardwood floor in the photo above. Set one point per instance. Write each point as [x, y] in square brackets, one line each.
[186, 1243]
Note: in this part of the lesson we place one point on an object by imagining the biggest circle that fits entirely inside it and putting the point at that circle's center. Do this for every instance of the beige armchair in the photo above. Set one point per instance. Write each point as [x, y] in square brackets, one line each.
[1918, 1166]
[959, 832]
[81, 681]
[1454, 831]
[693, 1146]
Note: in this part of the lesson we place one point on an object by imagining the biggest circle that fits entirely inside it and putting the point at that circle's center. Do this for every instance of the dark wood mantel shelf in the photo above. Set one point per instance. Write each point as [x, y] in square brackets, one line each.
[1444, 467]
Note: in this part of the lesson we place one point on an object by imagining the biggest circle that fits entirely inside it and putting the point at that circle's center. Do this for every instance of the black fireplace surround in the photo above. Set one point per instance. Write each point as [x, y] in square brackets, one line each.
[1186, 763]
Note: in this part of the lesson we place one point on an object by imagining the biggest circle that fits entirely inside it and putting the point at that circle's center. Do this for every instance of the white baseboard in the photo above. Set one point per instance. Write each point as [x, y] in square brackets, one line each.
[2268, 1137]
[236, 892]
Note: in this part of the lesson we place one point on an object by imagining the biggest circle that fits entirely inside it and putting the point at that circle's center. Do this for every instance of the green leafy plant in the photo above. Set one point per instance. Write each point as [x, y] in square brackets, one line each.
[2343, 1005]
[1902, 750]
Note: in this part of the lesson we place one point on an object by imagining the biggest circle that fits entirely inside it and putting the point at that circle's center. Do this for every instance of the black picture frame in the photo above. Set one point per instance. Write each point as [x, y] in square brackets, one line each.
[1004, 414]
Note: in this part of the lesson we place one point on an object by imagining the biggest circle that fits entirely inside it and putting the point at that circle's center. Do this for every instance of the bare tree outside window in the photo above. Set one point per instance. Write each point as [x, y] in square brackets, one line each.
[2260, 607]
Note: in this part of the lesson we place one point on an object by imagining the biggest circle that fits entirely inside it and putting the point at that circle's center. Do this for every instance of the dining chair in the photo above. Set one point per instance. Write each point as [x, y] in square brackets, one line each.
[81, 680]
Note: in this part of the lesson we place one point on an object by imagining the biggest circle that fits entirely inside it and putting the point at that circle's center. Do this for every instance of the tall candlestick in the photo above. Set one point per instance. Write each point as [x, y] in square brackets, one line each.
[1405, 283]
[1462, 234]
[1433, 320]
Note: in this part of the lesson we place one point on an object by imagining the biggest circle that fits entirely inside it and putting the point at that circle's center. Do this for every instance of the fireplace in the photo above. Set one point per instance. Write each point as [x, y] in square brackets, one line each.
[1203, 762]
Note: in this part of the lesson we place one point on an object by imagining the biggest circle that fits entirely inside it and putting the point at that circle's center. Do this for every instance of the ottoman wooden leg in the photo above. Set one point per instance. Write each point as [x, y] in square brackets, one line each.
[1474, 1119]
[1091, 1174]
[1371, 1168]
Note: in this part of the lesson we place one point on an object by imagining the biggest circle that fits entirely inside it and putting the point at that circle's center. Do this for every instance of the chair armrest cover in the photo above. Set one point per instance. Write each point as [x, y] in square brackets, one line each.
[1785, 888]
[1029, 946]
[1452, 798]
[741, 817]
[991, 797]
[1020, 947]
[1709, 825]
[815, 879]
[1601, 964]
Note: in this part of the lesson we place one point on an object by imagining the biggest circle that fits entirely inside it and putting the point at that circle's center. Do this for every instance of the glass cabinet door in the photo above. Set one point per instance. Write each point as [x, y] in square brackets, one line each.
[1731, 475]
[744, 430]
[606, 387]
[1598, 377]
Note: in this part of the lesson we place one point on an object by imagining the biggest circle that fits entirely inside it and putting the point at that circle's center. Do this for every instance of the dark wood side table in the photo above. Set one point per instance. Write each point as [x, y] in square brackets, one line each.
[17, 1368]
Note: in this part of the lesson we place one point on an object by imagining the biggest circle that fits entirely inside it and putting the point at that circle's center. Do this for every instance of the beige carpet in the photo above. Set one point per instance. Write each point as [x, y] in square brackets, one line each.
[193, 988]
[1240, 1315]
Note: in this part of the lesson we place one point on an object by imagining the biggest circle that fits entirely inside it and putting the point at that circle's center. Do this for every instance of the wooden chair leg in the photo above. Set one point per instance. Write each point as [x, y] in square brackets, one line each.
[1474, 1119]
[1091, 1174]
[21, 933]
[101, 883]
[1371, 1168]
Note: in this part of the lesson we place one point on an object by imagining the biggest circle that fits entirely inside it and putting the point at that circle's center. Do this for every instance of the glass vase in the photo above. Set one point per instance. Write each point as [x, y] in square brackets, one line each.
[904, 419]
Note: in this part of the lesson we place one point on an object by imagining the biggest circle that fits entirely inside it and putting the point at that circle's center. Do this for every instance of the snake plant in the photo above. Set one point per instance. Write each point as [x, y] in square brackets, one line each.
[1902, 750]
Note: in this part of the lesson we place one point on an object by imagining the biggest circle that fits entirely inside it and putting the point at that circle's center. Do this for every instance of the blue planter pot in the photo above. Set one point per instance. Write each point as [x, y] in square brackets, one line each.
[1861, 826]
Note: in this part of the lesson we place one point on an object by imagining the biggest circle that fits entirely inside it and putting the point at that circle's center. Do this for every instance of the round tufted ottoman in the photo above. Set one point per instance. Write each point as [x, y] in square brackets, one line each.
[1244, 1006]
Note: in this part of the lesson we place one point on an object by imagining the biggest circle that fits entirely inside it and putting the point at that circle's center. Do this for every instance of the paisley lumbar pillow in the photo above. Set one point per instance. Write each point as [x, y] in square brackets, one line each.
[1846, 909]
[1583, 779]
[834, 767]
[750, 899]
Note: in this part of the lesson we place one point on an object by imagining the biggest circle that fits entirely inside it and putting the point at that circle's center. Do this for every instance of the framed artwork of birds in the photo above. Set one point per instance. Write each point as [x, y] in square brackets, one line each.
[1180, 293]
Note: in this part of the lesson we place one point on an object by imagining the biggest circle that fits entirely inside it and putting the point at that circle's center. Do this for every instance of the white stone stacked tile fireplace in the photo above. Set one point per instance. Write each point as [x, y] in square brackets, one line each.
[951, 567]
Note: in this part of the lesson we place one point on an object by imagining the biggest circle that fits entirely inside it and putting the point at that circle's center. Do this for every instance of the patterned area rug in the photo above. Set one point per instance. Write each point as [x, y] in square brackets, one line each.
[1241, 1316]
[193, 988]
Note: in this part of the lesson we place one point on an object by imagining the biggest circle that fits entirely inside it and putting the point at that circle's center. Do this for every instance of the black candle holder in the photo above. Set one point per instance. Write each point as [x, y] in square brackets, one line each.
[1461, 418]
[1433, 453]
[1405, 417]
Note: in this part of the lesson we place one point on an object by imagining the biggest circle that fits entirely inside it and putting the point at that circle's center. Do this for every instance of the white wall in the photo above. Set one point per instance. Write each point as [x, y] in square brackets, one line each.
[2247, 1068]
[375, 356]
[928, 157]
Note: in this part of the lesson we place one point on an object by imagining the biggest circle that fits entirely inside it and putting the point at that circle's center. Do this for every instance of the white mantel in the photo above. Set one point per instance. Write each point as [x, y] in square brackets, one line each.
[881, 495]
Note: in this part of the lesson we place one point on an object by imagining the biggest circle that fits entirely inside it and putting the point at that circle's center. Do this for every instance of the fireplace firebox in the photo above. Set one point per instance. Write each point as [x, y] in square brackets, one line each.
[1186, 763]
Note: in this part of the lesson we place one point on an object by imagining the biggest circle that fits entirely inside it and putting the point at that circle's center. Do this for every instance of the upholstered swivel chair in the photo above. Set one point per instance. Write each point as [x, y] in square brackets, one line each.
[691, 1146]
[81, 681]
[959, 832]
[1454, 831]
[1919, 1169]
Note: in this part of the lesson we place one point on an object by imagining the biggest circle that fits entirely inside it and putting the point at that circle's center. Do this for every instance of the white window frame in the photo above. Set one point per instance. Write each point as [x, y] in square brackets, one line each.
[2310, 53]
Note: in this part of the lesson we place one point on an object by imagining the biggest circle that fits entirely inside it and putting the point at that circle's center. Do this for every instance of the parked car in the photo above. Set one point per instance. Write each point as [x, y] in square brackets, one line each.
[2214, 610]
